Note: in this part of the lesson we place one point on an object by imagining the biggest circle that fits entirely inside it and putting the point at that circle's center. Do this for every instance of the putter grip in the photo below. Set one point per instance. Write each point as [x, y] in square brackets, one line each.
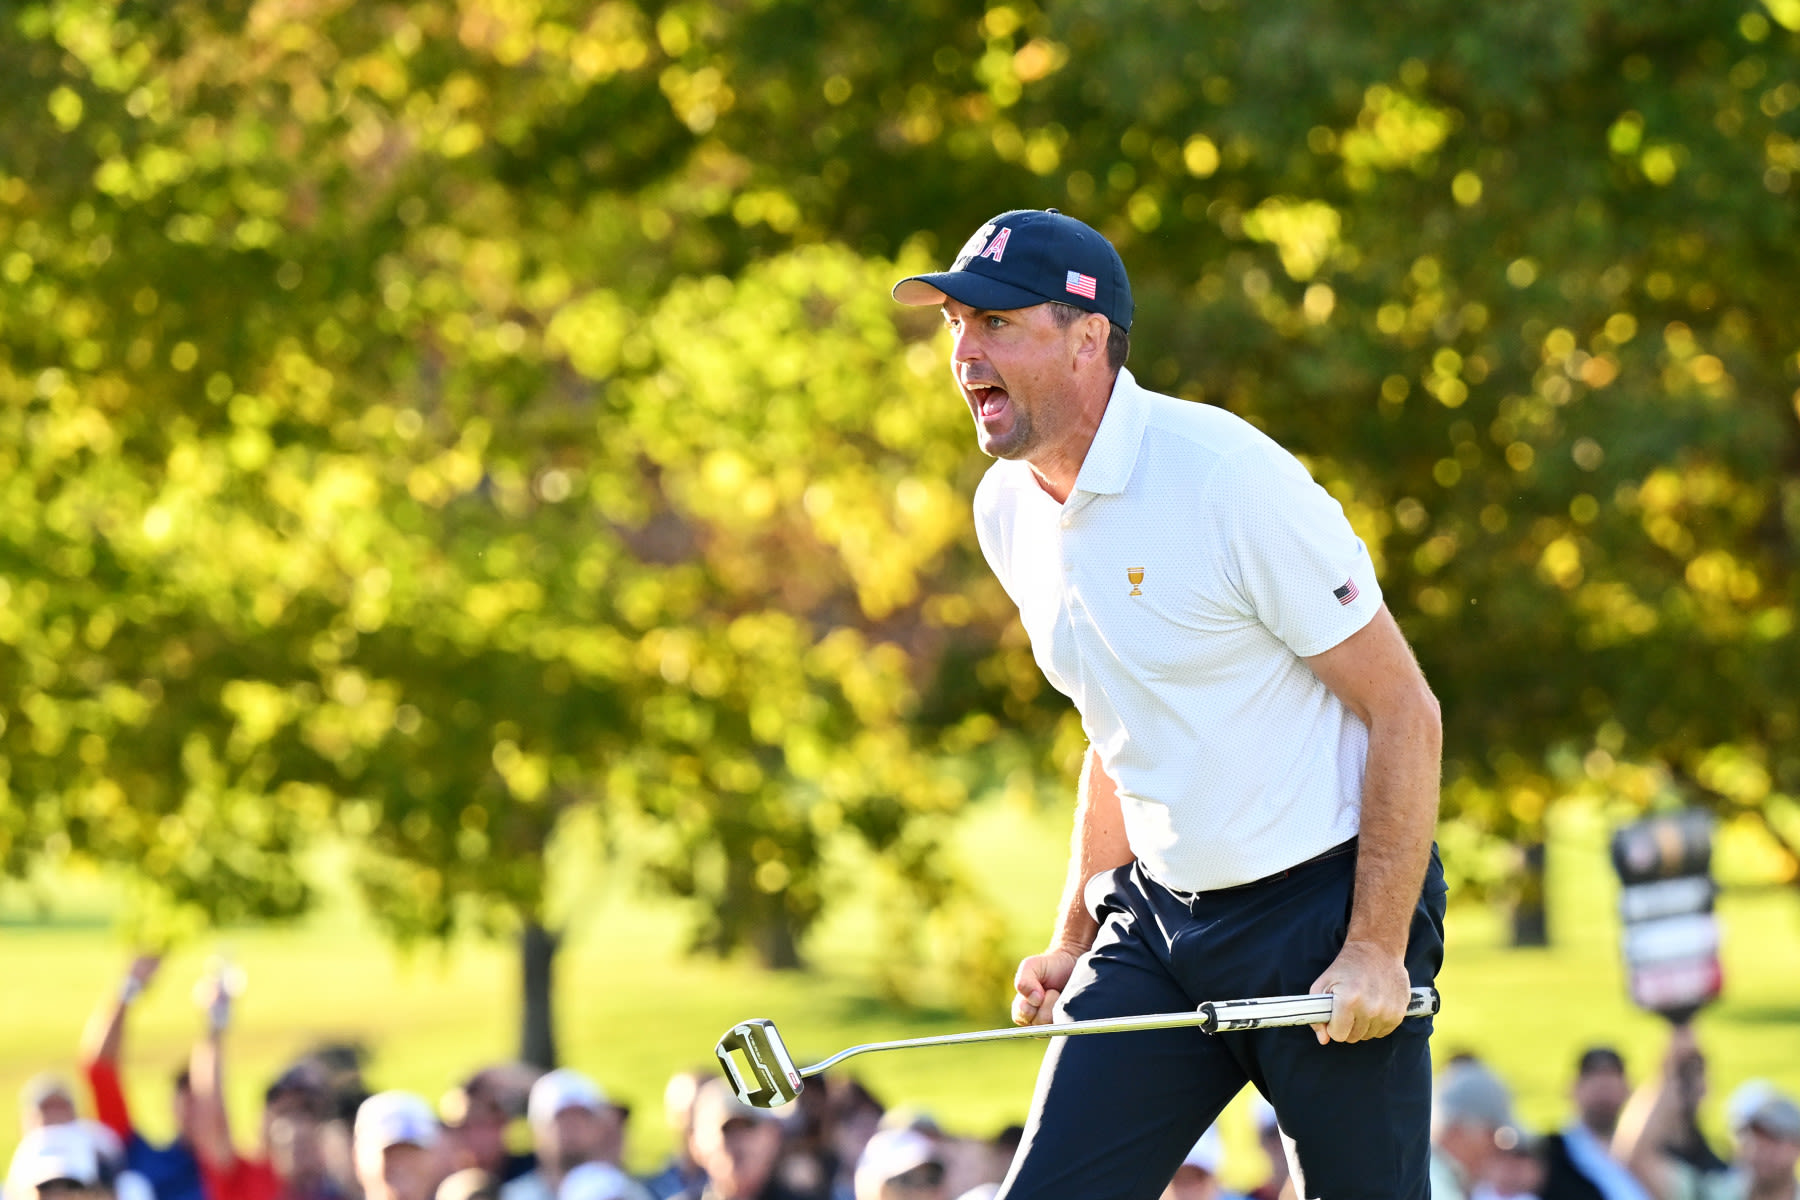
[1223, 1016]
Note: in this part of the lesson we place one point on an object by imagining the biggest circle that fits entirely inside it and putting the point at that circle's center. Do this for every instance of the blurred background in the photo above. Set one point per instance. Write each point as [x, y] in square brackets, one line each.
[480, 549]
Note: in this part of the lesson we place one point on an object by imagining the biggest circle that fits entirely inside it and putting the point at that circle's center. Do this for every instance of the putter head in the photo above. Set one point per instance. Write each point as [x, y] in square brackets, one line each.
[774, 1079]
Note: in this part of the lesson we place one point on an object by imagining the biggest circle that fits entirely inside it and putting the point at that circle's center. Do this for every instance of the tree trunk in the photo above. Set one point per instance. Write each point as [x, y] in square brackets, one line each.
[537, 1029]
[775, 943]
[1530, 922]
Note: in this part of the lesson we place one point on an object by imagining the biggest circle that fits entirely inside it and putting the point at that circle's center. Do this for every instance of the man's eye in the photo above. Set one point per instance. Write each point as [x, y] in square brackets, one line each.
[996, 322]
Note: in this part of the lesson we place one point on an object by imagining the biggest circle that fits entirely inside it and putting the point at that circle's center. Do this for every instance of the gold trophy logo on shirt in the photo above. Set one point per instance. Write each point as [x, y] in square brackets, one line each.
[1136, 575]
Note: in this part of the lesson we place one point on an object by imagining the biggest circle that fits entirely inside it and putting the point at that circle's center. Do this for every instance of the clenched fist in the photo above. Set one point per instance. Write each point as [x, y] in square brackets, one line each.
[1039, 982]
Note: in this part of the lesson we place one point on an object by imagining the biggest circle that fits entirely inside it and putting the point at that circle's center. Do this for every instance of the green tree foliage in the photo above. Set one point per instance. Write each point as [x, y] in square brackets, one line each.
[422, 420]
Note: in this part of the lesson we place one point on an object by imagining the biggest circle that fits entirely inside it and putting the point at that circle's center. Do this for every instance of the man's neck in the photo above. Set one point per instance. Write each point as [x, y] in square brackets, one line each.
[1602, 1133]
[1057, 467]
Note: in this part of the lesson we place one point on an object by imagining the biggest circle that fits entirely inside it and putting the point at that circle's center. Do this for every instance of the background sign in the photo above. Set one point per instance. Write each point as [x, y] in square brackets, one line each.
[1671, 936]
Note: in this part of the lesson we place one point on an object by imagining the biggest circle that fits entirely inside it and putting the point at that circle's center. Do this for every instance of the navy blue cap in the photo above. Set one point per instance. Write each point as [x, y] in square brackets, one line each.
[1030, 256]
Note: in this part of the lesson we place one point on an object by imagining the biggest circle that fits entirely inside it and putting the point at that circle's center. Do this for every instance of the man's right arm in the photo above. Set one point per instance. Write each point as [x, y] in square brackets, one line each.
[206, 1076]
[1098, 844]
[102, 1042]
[1651, 1119]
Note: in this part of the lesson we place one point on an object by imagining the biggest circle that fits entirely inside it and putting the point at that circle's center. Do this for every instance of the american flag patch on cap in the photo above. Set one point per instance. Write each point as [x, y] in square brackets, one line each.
[1081, 285]
[1347, 593]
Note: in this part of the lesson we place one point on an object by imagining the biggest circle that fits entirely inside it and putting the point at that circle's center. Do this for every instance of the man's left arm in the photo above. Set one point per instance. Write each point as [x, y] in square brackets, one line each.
[1375, 675]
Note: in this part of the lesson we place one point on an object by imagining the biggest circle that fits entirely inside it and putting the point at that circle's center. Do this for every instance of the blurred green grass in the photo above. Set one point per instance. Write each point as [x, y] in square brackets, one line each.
[632, 1009]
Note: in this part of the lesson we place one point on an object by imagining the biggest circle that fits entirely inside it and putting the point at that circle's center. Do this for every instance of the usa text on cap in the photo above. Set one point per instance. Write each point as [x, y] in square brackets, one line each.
[1027, 257]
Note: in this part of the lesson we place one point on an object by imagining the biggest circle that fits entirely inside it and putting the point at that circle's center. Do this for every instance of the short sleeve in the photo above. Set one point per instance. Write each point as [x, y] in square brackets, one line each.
[987, 527]
[1297, 565]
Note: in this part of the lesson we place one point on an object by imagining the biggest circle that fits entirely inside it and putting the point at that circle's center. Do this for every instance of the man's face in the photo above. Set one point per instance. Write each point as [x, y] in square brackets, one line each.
[1599, 1096]
[403, 1172]
[1769, 1160]
[293, 1145]
[54, 1109]
[481, 1137]
[1471, 1144]
[1014, 369]
[923, 1182]
[580, 1135]
[737, 1153]
[291, 1134]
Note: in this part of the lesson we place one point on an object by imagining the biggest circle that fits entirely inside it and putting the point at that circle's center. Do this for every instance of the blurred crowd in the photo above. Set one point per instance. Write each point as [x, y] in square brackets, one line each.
[1619, 1143]
[511, 1132]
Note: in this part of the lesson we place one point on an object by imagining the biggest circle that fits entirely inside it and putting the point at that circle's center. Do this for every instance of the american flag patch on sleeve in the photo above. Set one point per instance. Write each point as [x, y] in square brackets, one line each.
[1081, 285]
[1347, 593]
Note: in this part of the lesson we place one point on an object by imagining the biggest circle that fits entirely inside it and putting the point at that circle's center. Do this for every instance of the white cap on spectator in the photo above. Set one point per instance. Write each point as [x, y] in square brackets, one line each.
[1207, 1153]
[395, 1119]
[559, 1090]
[1468, 1093]
[107, 1146]
[595, 1181]
[891, 1153]
[910, 1116]
[53, 1154]
[1759, 1104]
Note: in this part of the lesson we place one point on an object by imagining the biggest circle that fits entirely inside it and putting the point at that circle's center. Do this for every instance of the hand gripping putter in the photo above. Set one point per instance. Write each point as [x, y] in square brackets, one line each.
[773, 1079]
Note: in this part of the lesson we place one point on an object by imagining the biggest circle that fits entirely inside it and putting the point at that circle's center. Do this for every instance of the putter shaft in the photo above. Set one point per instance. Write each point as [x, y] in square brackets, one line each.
[774, 1079]
[1212, 1017]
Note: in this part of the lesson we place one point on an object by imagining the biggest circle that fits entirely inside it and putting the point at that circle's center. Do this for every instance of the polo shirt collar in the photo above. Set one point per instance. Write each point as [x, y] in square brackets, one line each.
[1114, 451]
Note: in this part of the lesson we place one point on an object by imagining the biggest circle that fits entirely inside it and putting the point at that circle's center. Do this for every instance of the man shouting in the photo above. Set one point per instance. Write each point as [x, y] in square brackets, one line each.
[1256, 808]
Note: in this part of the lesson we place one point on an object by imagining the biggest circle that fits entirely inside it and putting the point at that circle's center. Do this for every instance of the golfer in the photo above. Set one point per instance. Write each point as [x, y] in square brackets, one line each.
[1256, 808]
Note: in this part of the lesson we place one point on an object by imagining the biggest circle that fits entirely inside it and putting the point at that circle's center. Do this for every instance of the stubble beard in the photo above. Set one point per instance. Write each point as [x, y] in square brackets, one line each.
[1016, 442]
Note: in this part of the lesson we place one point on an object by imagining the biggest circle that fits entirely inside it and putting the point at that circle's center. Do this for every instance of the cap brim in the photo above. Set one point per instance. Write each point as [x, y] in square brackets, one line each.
[968, 287]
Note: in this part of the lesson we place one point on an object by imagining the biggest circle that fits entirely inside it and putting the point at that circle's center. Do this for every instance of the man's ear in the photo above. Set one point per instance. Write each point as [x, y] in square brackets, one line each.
[1092, 343]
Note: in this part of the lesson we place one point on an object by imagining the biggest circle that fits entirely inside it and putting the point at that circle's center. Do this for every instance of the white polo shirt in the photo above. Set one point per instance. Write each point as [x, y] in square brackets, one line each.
[1172, 598]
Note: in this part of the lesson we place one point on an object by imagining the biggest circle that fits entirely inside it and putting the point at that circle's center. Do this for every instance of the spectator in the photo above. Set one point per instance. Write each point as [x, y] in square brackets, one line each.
[1268, 1136]
[45, 1100]
[1515, 1173]
[399, 1148]
[735, 1145]
[1471, 1122]
[572, 1122]
[902, 1163]
[681, 1173]
[172, 1171]
[974, 1168]
[1685, 1140]
[290, 1165]
[1765, 1123]
[54, 1160]
[1578, 1161]
[853, 1115]
[478, 1114]
[1197, 1178]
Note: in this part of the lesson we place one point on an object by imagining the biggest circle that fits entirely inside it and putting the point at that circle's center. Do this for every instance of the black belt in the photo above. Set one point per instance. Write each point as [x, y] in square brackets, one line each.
[1342, 848]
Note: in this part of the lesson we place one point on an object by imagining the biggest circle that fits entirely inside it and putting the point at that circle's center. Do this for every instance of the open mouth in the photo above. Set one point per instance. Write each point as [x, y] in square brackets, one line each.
[989, 399]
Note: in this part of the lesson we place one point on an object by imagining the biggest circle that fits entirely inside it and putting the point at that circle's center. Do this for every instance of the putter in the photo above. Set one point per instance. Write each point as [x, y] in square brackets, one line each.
[774, 1080]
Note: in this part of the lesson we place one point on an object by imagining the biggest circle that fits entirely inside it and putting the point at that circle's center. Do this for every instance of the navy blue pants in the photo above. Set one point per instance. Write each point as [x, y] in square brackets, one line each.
[1114, 1114]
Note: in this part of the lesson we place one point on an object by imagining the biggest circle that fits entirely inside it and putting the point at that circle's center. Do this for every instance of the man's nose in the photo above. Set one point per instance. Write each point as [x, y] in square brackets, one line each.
[963, 346]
